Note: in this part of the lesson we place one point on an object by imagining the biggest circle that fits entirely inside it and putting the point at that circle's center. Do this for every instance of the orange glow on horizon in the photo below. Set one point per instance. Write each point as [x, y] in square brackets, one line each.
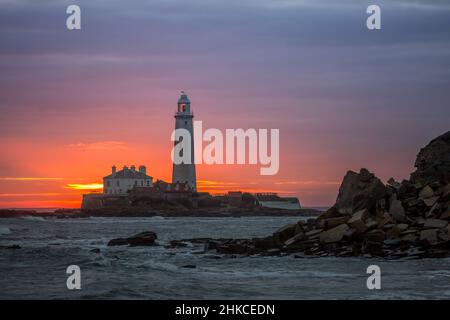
[86, 186]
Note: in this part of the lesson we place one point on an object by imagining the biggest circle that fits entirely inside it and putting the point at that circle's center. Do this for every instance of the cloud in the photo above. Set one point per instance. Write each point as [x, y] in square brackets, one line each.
[28, 179]
[39, 194]
[308, 183]
[101, 145]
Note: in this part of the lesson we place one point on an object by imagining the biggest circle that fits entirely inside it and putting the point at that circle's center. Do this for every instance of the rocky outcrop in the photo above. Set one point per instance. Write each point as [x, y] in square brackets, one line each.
[359, 191]
[146, 238]
[410, 218]
[433, 162]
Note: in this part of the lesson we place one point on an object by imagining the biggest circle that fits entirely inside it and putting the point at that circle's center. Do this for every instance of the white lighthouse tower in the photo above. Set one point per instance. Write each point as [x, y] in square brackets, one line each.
[185, 172]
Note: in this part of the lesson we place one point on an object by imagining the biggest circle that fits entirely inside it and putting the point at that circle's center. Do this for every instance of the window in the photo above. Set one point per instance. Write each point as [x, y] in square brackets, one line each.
[148, 183]
[107, 183]
[118, 183]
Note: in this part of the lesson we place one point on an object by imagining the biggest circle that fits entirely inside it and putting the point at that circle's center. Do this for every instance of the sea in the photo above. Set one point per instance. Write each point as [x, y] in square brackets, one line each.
[38, 270]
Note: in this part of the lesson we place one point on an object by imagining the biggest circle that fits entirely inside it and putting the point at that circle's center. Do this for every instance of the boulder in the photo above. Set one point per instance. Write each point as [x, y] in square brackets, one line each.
[371, 224]
[446, 215]
[286, 232]
[118, 242]
[265, 243]
[396, 185]
[232, 248]
[333, 222]
[294, 239]
[396, 210]
[359, 191]
[429, 236]
[313, 233]
[376, 235]
[433, 162]
[393, 233]
[146, 238]
[435, 223]
[426, 192]
[430, 201]
[334, 235]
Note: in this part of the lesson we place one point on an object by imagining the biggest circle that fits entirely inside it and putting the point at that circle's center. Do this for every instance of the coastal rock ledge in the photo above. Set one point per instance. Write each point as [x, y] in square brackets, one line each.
[146, 238]
[369, 218]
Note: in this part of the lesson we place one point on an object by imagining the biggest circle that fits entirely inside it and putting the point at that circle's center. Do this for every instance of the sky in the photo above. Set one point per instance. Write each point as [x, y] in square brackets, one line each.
[73, 103]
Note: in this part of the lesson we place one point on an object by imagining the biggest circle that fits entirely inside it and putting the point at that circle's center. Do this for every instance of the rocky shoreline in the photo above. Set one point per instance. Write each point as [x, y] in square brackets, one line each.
[135, 212]
[397, 220]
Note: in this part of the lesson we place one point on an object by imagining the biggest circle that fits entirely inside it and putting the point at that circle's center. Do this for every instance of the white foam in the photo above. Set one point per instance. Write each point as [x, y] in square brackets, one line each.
[4, 230]
[33, 218]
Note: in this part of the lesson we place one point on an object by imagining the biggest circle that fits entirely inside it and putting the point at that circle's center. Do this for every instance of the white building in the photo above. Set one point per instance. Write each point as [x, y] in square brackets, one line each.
[120, 182]
[185, 172]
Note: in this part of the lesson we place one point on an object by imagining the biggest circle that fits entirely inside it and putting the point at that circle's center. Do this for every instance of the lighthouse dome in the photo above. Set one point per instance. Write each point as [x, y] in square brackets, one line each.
[183, 98]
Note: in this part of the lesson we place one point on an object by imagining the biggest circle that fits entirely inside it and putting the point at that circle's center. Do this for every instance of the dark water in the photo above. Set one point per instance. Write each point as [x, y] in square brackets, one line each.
[38, 270]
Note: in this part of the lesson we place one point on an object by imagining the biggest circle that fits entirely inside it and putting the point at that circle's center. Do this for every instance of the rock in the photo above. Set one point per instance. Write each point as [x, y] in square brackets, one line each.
[299, 228]
[429, 236]
[426, 192]
[387, 219]
[146, 238]
[333, 222]
[393, 233]
[402, 226]
[446, 193]
[432, 211]
[358, 225]
[430, 201]
[433, 162]
[118, 242]
[396, 210]
[265, 243]
[189, 266]
[294, 239]
[285, 232]
[396, 185]
[376, 235]
[371, 224]
[232, 248]
[334, 235]
[313, 233]
[435, 223]
[411, 237]
[359, 191]
[178, 243]
[95, 250]
[446, 215]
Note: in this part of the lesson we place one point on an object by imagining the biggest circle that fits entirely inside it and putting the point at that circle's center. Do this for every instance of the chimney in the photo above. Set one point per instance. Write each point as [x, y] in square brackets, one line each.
[143, 169]
[133, 168]
[113, 171]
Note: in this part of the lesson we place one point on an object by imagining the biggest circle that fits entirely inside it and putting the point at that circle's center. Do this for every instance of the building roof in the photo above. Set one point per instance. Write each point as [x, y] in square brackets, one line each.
[128, 174]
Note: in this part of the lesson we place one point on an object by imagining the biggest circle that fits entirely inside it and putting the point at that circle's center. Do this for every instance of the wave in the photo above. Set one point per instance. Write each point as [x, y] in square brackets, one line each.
[4, 230]
[161, 266]
[32, 218]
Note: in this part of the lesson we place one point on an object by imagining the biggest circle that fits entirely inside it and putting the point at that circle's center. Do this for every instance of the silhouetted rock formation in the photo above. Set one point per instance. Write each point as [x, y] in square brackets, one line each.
[146, 238]
[410, 218]
[433, 162]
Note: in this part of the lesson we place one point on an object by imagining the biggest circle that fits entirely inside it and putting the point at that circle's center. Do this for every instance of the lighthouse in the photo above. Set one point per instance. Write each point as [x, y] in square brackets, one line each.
[185, 172]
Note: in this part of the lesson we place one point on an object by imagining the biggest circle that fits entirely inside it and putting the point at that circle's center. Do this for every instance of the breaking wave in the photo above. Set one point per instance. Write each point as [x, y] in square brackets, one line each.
[5, 230]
